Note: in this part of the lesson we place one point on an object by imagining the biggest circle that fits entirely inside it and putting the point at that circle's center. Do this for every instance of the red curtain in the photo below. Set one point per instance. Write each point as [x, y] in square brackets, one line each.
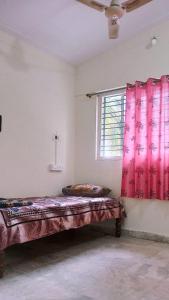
[146, 140]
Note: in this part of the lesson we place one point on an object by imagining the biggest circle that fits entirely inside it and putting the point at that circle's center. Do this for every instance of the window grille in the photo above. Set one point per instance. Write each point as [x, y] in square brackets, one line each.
[110, 123]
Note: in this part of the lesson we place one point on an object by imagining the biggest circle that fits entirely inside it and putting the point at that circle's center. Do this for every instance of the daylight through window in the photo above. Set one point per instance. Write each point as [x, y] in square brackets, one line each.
[111, 118]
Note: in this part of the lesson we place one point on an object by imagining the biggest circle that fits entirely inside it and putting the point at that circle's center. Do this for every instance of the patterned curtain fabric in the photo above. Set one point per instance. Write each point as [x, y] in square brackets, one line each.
[146, 140]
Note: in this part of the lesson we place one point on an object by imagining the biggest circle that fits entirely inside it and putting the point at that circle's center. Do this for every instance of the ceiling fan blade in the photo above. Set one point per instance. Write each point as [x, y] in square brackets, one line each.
[114, 27]
[94, 4]
[131, 5]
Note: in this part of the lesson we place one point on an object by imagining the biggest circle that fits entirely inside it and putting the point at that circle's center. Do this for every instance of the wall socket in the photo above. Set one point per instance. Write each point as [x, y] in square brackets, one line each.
[55, 168]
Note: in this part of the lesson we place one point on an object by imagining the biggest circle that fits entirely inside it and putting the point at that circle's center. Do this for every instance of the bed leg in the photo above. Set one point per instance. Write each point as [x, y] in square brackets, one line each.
[118, 228]
[2, 263]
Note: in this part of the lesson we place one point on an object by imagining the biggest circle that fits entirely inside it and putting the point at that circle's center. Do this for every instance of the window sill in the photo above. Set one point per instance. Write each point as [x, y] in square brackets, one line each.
[109, 158]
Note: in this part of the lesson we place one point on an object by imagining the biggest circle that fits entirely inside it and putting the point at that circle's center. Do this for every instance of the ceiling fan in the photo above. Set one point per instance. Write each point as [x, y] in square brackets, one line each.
[114, 12]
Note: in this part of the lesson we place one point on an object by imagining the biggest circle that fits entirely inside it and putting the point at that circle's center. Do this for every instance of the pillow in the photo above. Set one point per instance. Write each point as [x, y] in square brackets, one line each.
[7, 203]
[85, 190]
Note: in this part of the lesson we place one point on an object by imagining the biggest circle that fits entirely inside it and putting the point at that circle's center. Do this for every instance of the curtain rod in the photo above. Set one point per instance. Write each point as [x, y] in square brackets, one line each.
[90, 95]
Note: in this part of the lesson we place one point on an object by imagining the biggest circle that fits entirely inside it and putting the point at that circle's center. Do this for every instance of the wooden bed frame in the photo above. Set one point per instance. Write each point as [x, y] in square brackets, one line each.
[2, 253]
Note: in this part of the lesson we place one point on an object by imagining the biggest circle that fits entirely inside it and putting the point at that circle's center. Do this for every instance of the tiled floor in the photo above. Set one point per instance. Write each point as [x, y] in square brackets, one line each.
[87, 266]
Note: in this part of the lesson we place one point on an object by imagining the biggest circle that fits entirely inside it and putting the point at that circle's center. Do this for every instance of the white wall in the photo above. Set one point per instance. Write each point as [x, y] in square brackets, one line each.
[36, 101]
[127, 62]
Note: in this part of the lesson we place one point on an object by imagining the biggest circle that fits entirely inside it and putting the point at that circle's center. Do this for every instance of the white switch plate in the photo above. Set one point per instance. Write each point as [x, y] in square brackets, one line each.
[55, 168]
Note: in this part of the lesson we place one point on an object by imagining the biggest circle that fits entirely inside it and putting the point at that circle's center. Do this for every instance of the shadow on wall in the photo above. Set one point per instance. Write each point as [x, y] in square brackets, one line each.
[15, 57]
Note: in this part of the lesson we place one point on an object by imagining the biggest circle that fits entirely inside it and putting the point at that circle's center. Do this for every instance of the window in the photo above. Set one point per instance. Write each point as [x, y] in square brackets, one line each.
[110, 123]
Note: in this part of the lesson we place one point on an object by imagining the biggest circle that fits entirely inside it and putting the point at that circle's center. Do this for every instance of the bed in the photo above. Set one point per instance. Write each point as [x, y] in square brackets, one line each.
[49, 215]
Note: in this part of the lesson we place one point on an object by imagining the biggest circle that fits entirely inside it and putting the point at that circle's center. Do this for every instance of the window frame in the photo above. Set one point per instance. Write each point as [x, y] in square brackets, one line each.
[98, 123]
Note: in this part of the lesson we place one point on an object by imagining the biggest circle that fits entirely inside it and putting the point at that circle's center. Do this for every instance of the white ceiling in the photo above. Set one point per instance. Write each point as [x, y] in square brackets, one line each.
[70, 29]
